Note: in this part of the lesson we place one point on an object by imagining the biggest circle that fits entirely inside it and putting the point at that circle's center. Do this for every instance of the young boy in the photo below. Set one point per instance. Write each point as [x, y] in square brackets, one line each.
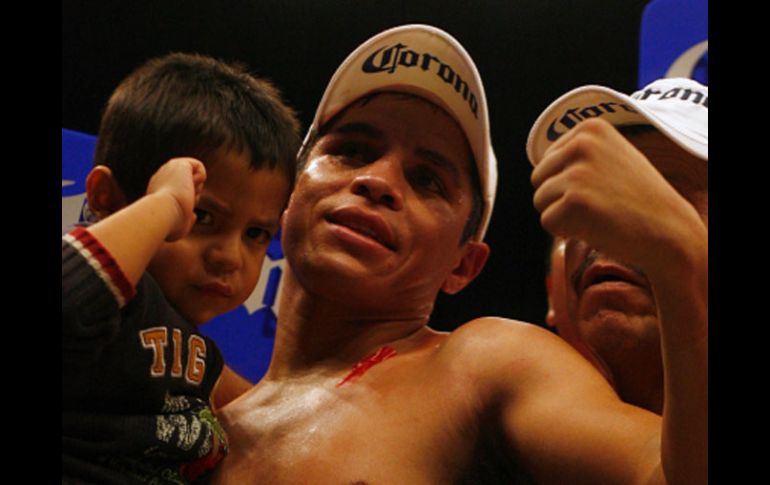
[194, 164]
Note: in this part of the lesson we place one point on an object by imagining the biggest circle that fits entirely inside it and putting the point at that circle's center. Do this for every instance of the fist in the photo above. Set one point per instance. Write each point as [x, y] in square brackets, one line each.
[181, 179]
[593, 184]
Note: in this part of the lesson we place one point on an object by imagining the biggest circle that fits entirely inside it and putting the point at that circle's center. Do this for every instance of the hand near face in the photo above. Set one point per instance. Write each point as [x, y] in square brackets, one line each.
[595, 185]
[182, 179]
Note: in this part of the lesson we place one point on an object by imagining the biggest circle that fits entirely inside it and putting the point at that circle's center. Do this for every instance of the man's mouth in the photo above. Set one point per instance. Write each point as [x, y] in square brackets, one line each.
[365, 223]
[593, 273]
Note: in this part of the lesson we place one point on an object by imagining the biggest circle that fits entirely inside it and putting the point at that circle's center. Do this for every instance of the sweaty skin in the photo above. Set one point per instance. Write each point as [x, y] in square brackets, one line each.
[380, 212]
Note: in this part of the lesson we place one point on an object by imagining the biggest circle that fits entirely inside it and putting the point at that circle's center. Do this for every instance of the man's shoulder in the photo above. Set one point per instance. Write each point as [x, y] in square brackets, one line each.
[502, 356]
[496, 332]
[488, 344]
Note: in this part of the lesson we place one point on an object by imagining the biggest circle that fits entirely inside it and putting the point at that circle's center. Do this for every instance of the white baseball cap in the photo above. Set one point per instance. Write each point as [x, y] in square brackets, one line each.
[427, 62]
[678, 107]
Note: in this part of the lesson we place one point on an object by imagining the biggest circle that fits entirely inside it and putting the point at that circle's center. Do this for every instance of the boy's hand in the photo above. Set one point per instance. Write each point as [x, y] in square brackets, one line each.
[182, 180]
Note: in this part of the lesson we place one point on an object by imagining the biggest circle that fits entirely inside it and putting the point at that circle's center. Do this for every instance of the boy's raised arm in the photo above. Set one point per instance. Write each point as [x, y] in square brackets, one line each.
[133, 234]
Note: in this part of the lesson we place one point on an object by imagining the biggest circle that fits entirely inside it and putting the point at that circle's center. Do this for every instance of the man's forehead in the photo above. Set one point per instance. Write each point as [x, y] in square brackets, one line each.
[344, 127]
[364, 115]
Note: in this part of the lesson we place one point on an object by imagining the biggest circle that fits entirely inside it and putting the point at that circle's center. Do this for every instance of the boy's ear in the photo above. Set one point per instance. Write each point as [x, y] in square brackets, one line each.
[471, 263]
[102, 192]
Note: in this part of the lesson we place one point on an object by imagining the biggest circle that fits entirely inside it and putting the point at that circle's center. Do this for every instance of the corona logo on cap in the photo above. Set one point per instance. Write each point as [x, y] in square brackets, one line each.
[388, 59]
[574, 115]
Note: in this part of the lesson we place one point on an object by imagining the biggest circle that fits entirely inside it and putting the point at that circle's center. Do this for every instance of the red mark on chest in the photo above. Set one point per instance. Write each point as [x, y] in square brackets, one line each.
[366, 363]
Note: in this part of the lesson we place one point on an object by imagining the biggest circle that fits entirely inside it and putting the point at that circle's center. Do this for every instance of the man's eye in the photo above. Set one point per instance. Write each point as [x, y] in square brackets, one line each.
[258, 235]
[203, 217]
[428, 181]
[352, 152]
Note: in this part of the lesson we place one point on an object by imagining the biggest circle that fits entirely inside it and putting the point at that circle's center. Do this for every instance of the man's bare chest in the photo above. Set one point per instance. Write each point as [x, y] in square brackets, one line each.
[368, 432]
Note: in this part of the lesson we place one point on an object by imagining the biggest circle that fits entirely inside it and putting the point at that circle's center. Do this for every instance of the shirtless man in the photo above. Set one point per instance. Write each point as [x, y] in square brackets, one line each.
[359, 389]
[603, 307]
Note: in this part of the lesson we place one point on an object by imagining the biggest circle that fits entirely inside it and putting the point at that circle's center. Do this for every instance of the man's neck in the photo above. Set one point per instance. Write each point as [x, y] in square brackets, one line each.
[315, 335]
[638, 381]
[643, 389]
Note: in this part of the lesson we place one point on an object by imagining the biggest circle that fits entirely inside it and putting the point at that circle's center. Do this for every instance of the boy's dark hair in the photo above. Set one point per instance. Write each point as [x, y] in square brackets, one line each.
[191, 105]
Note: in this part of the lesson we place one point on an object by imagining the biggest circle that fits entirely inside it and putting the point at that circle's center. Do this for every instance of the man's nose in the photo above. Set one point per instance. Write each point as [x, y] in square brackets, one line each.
[381, 183]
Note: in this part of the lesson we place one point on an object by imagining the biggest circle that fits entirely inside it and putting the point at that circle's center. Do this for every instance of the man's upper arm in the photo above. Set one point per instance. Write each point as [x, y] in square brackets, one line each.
[563, 421]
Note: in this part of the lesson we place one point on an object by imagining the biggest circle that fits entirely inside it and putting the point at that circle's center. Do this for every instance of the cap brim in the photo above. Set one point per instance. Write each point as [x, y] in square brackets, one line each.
[617, 108]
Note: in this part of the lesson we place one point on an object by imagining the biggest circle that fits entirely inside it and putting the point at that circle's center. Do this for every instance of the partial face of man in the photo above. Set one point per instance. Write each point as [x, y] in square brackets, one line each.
[380, 208]
[611, 304]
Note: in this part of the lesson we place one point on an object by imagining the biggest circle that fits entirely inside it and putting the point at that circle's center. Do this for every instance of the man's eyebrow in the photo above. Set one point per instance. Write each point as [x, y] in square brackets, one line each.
[439, 160]
[368, 130]
[357, 127]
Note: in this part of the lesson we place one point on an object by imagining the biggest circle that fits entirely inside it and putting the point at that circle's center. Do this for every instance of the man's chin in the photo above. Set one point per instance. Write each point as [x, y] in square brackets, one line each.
[616, 321]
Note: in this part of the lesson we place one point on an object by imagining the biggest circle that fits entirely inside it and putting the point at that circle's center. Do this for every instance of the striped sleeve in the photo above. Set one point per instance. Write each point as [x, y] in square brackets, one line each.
[103, 264]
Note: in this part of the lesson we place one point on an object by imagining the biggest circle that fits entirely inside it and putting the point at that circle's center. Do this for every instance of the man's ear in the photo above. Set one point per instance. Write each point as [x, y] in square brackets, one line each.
[556, 314]
[475, 255]
[102, 192]
[556, 287]
[550, 316]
